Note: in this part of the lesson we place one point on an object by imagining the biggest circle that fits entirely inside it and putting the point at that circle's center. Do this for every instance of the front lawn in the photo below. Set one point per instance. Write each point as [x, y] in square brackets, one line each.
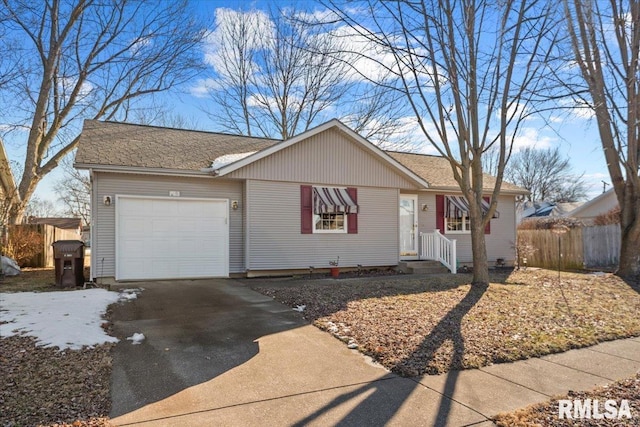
[431, 325]
[30, 280]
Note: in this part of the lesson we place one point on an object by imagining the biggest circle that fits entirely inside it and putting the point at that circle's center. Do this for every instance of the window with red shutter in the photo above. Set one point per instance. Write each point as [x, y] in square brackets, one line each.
[352, 218]
[306, 209]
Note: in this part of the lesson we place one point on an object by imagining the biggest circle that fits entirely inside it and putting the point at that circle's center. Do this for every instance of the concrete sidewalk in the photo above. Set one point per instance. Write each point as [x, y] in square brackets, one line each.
[303, 376]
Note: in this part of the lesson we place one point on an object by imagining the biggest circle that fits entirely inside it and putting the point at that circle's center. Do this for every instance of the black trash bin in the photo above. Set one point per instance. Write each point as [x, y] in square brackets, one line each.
[68, 256]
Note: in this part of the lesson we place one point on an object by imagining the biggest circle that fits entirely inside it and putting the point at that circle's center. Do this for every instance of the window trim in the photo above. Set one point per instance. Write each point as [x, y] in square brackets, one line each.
[344, 229]
[464, 223]
[314, 216]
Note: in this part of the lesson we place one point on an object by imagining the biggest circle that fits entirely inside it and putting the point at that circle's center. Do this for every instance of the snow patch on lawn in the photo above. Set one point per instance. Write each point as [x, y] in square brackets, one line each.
[70, 319]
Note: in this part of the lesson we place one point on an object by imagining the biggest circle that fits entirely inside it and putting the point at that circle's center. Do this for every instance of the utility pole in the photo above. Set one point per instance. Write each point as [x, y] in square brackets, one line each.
[604, 186]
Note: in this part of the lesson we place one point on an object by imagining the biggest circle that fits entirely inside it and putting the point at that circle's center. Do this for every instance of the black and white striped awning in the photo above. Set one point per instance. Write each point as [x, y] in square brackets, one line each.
[333, 200]
[456, 206]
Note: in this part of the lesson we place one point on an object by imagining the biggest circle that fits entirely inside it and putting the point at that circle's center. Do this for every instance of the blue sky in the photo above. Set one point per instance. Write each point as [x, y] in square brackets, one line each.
[575, 134]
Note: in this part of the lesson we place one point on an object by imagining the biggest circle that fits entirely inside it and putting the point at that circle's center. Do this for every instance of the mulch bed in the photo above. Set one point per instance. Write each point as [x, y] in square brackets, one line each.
[546, 414]
[432, 325]
[44, 386]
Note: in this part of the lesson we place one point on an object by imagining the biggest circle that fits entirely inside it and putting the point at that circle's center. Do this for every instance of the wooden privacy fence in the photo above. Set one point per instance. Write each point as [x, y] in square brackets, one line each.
[49, 235]
[592, 247]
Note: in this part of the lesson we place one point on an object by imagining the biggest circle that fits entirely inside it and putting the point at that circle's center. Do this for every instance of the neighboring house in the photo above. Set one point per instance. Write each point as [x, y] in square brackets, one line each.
[529, 210]
[69, 224]
[599, 205]
[169, 203]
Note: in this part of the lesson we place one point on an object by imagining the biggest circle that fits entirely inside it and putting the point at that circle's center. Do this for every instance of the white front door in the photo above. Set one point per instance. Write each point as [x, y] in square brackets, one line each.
[408, 226]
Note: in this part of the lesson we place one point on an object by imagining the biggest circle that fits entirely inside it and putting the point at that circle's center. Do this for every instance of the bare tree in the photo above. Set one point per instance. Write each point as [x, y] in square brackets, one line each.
[469, 71]
[86, 59]
[40, 208]
[74, 192]
[605, 38]
[546, 175]
[276, 76]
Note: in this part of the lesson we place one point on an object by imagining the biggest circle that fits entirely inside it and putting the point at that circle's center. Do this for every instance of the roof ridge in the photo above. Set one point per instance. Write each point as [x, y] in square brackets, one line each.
[416, 154]
[183, 130]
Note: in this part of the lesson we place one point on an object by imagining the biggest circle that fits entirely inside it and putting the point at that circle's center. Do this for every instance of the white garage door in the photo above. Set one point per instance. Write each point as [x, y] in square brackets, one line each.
[170, 238]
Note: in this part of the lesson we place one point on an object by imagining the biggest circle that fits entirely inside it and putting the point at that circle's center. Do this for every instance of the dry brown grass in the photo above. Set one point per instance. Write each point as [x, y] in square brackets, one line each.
[33, 280]
[432, 325]
[546, 414]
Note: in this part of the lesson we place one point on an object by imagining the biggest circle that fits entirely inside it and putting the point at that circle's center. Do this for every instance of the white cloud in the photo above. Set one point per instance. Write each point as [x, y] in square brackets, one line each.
[530, 137]
[369, 60]
[516, 110]
[228, 22]
[139, 44]
[203, 87]
[578, 110]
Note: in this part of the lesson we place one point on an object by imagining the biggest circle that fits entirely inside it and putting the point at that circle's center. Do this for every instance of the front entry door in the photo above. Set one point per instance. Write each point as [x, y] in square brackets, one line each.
[408, 226]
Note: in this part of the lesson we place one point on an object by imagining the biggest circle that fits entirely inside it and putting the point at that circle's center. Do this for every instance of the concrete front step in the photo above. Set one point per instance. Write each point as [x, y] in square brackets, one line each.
[422, 267]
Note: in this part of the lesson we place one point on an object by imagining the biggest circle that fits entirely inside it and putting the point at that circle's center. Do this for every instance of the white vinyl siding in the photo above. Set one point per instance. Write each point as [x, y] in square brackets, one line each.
[501, 241]
[110, 184]
[274, 240]
[330, 158]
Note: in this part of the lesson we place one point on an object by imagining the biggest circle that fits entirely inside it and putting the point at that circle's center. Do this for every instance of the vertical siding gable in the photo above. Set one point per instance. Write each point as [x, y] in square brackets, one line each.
[326, 158]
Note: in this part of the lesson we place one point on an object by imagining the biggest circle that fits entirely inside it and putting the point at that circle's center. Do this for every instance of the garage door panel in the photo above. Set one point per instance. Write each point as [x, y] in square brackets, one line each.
[167, 238]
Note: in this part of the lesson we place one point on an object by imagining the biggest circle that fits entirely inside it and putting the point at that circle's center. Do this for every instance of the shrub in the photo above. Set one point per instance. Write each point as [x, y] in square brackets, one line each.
[24, 244]
[547, 223]
[610, 217]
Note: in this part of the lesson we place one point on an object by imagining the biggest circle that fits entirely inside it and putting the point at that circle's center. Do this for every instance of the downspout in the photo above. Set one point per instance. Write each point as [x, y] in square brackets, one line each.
[92, 231]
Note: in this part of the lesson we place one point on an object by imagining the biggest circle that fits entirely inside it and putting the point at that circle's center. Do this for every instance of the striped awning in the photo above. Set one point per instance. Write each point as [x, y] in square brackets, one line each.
[333, 200]
[456, 206]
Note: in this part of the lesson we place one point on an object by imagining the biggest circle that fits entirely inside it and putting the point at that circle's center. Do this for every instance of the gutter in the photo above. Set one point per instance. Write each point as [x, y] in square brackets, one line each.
[203, 173]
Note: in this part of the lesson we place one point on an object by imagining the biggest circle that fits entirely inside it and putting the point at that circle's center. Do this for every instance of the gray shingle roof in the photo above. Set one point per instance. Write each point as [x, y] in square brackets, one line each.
[141, 146]
[128, 145]
[437, 171]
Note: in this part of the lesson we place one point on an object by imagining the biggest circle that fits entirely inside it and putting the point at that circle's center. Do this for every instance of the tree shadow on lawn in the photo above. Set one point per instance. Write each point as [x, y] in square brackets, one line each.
[449, 328]
[326, 296]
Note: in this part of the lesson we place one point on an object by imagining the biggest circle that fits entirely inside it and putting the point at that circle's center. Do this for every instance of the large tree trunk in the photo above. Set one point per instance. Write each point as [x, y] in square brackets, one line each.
[479, 250]
[629, 266]
[18, 209]
[630, 251]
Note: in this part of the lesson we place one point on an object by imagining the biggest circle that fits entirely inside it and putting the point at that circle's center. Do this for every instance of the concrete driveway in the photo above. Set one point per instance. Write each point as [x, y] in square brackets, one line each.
[218, 353]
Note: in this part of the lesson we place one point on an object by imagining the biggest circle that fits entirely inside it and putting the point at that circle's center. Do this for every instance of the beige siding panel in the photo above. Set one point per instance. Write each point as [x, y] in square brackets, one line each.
[275, 241]
[501, 241]
[110, 184]
[327, 158]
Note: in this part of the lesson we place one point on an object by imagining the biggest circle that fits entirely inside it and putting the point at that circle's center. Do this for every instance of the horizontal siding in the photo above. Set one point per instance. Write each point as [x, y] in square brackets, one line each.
[275, 242]
[329, 158]
[501, 241]
[110, 184]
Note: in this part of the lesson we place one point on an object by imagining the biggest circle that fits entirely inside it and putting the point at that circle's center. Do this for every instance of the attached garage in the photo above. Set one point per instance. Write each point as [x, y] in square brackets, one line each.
[171, 238]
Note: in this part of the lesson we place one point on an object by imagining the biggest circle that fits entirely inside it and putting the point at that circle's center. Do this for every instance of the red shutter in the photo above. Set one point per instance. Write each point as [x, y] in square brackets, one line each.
[352, 219]
[487, 228]
[306, 209]
[440, 212]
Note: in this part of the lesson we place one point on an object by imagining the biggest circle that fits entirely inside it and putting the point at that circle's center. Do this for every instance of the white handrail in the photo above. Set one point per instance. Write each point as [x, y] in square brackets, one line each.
[434, 246]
